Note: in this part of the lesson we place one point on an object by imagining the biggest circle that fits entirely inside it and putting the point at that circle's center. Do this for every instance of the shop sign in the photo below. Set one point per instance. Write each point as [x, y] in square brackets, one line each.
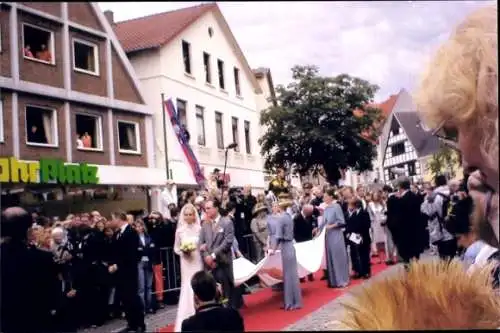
[46, 171]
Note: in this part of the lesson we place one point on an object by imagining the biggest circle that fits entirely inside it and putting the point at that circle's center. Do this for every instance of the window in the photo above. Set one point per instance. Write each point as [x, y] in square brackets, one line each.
[38, 44]
[85, 57]
[206, 65]
[394, 128]
[41, 126]
[220, 69]
[398, 149]
[128, 137]
[186, 56]
[181, 112]
[247, 137]
[88, 132]
[219, 132]
[200, 125]
[237, 81]
[234, 124]
[412, 169]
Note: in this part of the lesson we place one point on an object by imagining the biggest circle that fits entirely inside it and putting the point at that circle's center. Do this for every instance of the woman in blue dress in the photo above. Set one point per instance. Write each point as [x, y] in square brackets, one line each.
[284, 240]
[336, 253]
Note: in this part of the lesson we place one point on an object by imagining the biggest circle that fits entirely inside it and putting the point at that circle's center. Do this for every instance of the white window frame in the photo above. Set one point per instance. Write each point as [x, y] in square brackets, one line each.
[137, 137]
[54, 124]
[1, 120]
[100, 146]
[51, 46]
[95, 47]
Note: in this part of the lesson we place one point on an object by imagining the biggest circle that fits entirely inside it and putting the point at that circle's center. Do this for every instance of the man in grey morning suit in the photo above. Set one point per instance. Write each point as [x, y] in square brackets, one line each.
[216, 240]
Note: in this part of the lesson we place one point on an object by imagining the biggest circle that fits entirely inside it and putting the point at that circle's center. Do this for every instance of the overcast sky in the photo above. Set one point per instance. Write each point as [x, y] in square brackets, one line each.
[386, 43]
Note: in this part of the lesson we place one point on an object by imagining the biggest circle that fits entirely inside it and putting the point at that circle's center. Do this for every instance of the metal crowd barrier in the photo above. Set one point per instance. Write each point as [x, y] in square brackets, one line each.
[172, 267]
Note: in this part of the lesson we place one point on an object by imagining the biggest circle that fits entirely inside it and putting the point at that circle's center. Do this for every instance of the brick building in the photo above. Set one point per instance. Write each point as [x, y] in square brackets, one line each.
[69, 93]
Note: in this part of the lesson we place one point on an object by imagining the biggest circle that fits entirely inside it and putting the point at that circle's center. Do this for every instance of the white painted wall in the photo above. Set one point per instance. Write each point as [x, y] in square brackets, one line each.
[163, 71]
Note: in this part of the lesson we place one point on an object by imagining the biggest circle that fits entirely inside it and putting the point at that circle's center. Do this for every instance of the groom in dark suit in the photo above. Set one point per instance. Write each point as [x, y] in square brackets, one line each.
[216, 239]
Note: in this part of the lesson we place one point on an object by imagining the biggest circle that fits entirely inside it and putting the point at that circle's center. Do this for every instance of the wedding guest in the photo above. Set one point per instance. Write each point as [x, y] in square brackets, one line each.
[145, 266]
[210, 315]
[259, 230]
[284, 241]
[336, 253]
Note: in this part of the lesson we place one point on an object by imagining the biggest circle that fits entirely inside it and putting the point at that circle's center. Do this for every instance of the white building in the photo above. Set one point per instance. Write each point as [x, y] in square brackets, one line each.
[405, 145]
[192, 57]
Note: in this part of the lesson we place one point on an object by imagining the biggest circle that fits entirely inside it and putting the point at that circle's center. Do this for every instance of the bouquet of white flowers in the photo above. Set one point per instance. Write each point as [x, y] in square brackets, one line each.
[188, 247]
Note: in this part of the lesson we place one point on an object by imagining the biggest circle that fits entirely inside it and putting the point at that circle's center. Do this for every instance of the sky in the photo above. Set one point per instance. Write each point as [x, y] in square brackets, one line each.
[387, 43]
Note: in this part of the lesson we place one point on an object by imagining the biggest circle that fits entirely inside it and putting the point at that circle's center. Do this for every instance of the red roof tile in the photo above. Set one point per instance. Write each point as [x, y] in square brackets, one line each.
[158, 29]
[386, 108]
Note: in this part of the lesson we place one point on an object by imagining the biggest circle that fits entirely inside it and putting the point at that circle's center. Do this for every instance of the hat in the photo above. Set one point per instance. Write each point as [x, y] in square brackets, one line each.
[285, 200]
[260, 207]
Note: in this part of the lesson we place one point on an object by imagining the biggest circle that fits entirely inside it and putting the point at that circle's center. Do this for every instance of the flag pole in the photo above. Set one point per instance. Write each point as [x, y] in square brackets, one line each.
[165, 134]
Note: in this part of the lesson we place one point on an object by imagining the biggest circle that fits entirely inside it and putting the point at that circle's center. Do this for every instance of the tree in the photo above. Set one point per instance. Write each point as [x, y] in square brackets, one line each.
[315, 126]
[446, 160]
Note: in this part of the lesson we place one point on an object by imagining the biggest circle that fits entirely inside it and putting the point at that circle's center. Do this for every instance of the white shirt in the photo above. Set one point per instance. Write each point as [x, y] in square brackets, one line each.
[122, 228]
[167, 197]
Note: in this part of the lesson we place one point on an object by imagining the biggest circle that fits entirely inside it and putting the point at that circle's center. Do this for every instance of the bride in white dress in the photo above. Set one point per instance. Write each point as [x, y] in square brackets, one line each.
[188, 231]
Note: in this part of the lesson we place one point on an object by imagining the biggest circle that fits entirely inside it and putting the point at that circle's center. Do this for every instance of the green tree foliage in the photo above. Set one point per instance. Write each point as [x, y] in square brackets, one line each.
[446, 160]
[313, 128]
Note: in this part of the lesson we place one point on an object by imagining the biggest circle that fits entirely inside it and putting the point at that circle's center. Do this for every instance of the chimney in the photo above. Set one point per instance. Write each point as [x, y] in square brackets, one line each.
[110, 16]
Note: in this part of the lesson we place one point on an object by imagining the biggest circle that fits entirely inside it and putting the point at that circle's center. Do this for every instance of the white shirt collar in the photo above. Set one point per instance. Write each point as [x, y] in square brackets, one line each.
[217, 219]
[123, 227]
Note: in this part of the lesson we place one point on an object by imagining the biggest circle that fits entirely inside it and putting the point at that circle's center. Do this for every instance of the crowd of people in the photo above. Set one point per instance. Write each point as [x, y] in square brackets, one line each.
[388, 224]
[59, 276]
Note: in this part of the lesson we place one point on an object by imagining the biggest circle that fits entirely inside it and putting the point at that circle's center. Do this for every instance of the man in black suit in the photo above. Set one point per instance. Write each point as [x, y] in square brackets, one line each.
[210, 315]
[303, 225]
[125, 260]
[408, 223]
[358, 222]
[29, 283]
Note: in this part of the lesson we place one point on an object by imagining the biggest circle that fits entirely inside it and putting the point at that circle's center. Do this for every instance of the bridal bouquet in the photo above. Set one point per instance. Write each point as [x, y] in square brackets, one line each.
[188, 247]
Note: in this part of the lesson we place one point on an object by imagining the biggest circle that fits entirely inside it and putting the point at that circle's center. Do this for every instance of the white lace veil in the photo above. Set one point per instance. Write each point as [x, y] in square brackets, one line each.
[181, 224]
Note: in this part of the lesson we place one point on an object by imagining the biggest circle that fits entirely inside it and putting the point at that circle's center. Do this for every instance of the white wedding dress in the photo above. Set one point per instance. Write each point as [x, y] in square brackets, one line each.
[187, 233]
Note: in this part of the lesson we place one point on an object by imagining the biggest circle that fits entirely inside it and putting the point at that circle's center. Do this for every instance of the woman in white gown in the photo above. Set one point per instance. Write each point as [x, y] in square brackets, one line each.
[188, 231]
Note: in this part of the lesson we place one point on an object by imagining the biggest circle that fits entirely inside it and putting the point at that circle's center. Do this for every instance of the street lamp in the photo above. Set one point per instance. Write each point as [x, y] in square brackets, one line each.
[226, 150]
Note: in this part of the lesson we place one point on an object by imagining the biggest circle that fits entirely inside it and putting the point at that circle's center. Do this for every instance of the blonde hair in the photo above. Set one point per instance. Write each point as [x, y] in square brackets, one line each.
[460, 85]
[432, 295]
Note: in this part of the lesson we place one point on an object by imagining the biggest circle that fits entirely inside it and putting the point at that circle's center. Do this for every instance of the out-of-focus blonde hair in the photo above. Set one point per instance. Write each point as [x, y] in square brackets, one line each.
[432, 295]
[460, 85]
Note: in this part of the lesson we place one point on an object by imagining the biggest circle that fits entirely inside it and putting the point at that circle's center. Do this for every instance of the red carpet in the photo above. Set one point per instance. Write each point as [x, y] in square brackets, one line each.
[263, 313]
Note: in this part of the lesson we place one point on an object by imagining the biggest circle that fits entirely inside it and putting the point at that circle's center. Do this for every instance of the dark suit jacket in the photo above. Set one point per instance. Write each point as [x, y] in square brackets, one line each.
[214, 318]
[127, 255]
[29, 288]
[409, 223]
[303, 227]
[360, 223]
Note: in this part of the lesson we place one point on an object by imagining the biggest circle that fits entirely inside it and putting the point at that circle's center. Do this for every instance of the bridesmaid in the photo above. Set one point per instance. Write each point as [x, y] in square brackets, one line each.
[284, 240]
[336, 253]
